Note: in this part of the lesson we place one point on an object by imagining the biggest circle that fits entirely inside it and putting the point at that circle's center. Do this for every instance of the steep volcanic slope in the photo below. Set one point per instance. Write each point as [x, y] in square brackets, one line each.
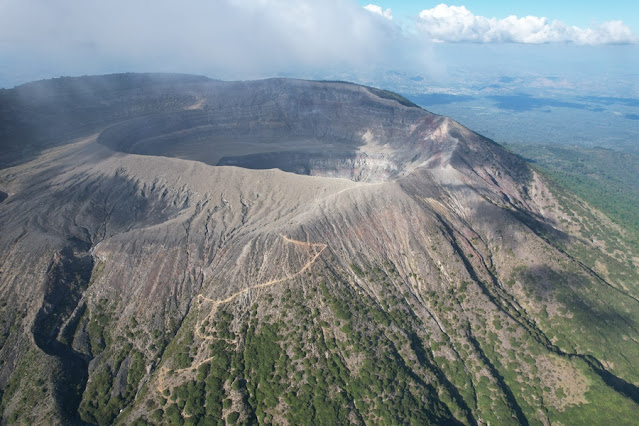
[408, 271]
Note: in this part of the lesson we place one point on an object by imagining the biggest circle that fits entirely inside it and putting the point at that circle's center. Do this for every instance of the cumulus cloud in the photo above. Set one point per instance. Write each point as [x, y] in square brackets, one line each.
[458, 24]
[388, 14]
[230, 39]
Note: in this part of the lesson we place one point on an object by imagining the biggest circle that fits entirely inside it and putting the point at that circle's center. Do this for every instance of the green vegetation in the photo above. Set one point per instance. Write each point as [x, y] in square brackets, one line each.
[606, 179]
[98, 327]
[27, 388]
[99, 404]
[300, 365]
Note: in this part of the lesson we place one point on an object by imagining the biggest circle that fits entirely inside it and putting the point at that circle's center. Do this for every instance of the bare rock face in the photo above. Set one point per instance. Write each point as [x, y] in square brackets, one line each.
[286, 251]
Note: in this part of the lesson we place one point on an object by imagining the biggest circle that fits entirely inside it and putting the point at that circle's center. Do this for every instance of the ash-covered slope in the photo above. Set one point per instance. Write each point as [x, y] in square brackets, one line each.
[159, 267]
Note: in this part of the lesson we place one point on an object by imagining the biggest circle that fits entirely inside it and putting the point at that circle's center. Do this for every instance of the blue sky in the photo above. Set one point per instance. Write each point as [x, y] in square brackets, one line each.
[582, 13]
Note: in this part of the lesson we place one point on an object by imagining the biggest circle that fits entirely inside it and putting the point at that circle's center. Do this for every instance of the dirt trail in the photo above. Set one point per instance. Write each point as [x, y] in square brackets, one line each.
[307, 265]
[163, 371]
[197, 105]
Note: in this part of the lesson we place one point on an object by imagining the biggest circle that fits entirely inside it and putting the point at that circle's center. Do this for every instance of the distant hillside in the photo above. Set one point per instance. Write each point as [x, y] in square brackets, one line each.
[607, 179]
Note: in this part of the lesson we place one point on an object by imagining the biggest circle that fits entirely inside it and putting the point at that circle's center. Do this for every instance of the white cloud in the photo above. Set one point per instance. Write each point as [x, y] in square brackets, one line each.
[245, 39]
[457, 24]
[231, 39]
[388, 14]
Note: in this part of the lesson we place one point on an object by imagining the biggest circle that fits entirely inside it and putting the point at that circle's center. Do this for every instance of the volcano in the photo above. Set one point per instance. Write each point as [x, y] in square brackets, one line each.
[180, 250]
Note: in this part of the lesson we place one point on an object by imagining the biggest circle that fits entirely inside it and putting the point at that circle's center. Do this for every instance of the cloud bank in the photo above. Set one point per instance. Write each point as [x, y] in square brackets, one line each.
[243, 39]
[231, 39]
[445, 23]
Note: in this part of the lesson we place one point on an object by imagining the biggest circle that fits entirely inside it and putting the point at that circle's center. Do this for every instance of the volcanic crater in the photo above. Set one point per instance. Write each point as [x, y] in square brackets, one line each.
[302, 127]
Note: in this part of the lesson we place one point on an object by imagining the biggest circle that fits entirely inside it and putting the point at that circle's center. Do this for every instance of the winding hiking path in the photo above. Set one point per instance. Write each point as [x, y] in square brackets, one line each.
[163, 371]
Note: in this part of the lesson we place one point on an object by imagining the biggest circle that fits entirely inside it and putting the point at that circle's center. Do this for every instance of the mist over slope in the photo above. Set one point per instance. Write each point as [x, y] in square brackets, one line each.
[175, 249]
